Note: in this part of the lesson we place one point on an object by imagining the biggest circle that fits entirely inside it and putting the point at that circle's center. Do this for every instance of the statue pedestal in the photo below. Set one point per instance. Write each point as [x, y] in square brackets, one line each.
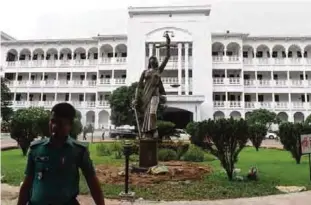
[148, 153]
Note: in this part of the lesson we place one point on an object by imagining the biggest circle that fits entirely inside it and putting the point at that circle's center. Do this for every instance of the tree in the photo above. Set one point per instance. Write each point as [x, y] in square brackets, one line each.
[166, 129]
[27, 124]
[224, 138]
[6, 110]
[30, 123]
[257, 133]
[290, 137]
[263, 117]
[121, 106]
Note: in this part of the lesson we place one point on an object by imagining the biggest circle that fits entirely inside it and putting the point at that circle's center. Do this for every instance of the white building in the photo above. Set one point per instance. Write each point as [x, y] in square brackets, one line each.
[220, 74]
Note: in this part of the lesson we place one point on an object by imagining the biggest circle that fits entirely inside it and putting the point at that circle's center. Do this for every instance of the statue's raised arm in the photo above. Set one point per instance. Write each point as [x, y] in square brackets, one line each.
[168, 53]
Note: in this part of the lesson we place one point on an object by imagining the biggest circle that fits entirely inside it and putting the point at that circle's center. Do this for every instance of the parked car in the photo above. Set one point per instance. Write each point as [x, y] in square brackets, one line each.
[122, 133]
[180, 135]
[271, 135]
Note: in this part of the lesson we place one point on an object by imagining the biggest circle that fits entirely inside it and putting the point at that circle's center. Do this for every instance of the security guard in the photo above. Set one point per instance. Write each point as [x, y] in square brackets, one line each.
[52, 171]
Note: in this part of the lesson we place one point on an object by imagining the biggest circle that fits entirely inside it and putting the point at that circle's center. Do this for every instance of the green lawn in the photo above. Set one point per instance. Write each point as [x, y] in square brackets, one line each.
[275, 168]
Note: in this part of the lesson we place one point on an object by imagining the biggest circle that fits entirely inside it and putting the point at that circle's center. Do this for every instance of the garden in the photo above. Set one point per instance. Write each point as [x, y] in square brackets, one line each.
[215, 164]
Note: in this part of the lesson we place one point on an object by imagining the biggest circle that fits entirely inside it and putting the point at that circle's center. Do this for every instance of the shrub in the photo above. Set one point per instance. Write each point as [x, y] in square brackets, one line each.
[103, 149]
[257, 133]
[194, 154]
[290, 137]
[165, 129]
[167, 155]
[222, 138]
[117, 148]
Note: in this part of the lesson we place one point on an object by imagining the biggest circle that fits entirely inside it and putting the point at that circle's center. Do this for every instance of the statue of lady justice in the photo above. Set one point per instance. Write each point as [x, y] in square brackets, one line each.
[152, 89]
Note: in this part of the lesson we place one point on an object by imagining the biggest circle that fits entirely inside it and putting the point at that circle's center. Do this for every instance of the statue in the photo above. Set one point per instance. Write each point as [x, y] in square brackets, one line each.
[152, 89]
[148, 92]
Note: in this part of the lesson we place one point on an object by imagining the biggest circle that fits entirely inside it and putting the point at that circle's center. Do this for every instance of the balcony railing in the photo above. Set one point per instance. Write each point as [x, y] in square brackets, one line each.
[283, 105]
[65, 62]
[275, 61]
[49, 103]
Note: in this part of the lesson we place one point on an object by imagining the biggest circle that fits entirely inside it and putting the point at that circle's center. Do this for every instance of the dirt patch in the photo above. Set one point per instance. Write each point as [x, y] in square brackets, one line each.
[178, 171]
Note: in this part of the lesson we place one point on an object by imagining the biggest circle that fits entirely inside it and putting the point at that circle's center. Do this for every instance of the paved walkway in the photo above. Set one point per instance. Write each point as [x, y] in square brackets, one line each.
[9, 196]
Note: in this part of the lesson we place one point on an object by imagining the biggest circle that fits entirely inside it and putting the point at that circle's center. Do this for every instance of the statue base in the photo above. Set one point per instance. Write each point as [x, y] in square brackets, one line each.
[148, 153]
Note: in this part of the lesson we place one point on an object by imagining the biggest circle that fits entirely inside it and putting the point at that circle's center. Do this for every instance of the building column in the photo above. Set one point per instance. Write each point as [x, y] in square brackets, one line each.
[55, 97]
[150, 49]
[179, 67]
[290, 101]
[186, 69]
[157, 52]
[112, 80]
[96, 120]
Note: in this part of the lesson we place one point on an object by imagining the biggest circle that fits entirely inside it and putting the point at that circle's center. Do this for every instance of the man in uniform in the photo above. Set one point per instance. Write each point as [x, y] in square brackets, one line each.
[52, 171]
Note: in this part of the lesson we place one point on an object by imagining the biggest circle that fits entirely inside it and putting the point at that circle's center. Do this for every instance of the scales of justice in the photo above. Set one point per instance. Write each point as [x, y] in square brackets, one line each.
[145, 104]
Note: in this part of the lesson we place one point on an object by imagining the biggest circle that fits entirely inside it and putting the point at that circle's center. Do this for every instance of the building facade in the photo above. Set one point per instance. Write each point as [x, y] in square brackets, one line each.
[209, 75]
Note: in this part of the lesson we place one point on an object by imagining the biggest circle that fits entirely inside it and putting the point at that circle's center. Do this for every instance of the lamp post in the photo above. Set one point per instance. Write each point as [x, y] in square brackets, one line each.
[127, 151]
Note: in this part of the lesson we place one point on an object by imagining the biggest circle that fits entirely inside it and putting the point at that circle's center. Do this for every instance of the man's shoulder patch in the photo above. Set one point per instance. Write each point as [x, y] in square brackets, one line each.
[38, 142]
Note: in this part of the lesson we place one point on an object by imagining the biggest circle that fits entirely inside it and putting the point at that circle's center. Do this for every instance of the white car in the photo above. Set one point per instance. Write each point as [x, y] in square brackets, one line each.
[183, 136]
[271, 135]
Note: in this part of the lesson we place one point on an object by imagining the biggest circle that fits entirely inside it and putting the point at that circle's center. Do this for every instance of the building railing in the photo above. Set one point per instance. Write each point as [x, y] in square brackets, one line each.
[51, 103]
[275, 61]
[277, 83]
[282, 105]
[66, 62]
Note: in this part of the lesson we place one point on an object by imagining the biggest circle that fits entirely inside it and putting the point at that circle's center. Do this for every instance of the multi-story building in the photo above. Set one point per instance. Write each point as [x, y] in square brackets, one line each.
[219, 74]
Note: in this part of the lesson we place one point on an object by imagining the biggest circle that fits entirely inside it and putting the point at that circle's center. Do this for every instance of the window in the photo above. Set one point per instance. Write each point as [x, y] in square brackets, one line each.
[217, 98]
[22, 57]
[308, 99]
[260, 98]
[19, 78]
[259, 54]
[83, 56]
[229, 53]
[224, 98]
[259, 77]
[231, 76]
[44, 97]
[306, 77]
[283, 54]
[301, 76]
[45, 77]
[214, 53]
[123, 76]
[216, 76]
[246, 77]
[299, 54]
[18, 97]
[107, 76]
[275, 77]
[124, 55]
[109, 55]
[81, 97]
[48, 56]
[30, 97]
[68, 76]
[94, 77]
[95, 56]
[276, 98]
[303, 98]
[82, 77]
[35, 57]
[67, 97]
[232, 97]
[32, 77]
[245, 54]
[274, 54]
[247, 98]
[290, 54]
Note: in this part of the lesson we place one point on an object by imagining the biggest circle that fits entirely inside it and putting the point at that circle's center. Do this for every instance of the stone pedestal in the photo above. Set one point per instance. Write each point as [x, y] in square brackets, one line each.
[148, 153]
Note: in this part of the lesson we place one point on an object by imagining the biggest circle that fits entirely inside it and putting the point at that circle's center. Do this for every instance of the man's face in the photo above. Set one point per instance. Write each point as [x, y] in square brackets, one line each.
[59, 127]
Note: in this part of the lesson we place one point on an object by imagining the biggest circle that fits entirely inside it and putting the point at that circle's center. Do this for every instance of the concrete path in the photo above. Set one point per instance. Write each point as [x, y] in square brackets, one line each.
[9, 196]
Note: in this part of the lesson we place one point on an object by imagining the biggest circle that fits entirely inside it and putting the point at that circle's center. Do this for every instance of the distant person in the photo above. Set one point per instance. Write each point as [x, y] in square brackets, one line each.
[52, 171]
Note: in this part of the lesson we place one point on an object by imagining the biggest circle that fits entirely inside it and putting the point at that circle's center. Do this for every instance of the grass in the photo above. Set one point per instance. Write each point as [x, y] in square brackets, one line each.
[275, 167]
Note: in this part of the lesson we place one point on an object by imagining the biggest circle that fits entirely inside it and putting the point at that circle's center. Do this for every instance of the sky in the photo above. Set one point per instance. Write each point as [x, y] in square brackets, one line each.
[41, 19]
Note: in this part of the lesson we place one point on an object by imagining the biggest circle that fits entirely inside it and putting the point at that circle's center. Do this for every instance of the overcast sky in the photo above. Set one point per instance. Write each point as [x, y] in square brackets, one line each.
[40, 19]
